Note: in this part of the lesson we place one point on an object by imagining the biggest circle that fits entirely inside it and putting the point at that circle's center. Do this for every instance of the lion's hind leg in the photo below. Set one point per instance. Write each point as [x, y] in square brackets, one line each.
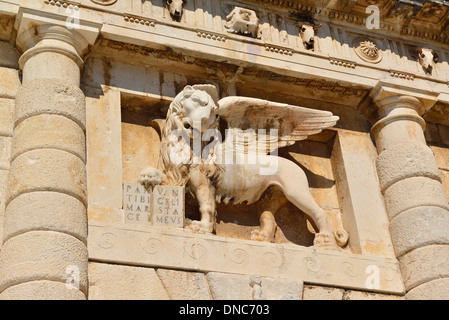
[294, 184]
[273, 201]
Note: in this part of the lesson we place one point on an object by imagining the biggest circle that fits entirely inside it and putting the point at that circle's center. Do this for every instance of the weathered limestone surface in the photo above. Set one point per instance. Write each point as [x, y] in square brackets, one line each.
[50, 180]
[322, 293]
[360, 295]
[172, 248]
[238, 287]
[116, 282]
[182, 285]
[9, 85]
[432, 290]
[41, 290]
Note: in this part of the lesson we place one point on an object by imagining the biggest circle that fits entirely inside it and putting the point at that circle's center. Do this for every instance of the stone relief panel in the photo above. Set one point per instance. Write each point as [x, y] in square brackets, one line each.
[243, 21]
[211, 174]
[368, 50]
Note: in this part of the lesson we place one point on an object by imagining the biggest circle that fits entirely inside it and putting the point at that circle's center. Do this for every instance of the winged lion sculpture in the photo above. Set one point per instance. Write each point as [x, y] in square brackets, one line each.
[242, 167]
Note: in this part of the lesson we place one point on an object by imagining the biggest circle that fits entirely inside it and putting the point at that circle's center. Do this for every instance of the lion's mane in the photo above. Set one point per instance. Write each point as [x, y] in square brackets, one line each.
[178, 173]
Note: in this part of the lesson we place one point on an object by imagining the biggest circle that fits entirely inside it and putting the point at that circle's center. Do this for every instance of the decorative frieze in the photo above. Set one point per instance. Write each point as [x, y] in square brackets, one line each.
[174, 247]
[426, 58]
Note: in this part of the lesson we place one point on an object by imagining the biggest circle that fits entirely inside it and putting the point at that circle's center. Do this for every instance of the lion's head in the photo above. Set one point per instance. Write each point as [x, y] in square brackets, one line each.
[196, 106]
[193, 111]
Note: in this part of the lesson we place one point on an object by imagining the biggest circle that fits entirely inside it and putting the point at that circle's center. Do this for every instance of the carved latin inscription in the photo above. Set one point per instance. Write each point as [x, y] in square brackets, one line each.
[136, 204]
[161, 206]
[168, 206]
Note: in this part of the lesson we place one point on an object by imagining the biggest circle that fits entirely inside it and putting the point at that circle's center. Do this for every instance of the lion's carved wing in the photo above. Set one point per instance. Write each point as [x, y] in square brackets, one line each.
[247, 118]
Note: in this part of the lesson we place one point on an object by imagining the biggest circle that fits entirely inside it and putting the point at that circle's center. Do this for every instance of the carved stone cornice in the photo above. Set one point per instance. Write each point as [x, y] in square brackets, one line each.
[418, 19]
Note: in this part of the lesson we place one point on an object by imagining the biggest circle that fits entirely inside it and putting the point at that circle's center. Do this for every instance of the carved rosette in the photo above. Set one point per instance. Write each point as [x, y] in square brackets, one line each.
[368, 51]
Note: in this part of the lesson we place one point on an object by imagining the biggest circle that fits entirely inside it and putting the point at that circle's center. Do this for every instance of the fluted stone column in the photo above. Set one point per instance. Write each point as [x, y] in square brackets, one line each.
[44, 255]
[414, 195]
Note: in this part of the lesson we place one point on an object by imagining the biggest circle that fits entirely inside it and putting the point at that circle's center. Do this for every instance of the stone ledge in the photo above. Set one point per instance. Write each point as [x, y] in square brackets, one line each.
[180, 249]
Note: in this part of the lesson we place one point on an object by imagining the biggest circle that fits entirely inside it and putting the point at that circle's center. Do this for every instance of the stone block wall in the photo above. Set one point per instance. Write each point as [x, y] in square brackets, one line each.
[121, 282]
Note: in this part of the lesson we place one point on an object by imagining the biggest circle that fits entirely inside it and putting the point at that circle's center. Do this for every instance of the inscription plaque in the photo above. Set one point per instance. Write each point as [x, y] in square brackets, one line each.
[168, 206]
[163, 206]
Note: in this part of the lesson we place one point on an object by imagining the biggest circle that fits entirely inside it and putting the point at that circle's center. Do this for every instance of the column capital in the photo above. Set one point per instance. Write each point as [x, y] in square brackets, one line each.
[39, 31]
[389, 96]
[400, 110]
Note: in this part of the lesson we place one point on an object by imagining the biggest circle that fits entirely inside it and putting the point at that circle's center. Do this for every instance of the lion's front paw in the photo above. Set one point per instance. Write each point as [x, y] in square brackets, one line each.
[262, 236]
[151, 177]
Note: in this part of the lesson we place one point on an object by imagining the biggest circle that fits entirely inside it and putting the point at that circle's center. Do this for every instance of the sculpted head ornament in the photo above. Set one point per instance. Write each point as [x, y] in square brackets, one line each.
[426, 58]
[176, 9]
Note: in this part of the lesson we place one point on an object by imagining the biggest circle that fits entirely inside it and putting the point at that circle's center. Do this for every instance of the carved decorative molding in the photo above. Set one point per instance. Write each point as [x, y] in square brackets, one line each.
[368, 51]
[347, 17]
[175, 248]
[211, 35]
[402, 75]
[343, 63]
[278, 49]
[139, 20]
[61, 3]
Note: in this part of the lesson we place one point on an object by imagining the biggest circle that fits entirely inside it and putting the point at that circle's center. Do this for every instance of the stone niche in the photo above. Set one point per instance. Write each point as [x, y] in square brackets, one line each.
[141, 121]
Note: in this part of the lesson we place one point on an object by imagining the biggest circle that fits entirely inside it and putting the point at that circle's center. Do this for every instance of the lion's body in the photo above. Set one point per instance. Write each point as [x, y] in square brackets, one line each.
[213, 180]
